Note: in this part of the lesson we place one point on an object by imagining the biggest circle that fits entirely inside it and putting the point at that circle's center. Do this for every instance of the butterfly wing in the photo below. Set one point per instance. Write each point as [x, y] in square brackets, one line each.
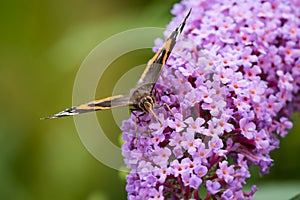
[102, 104]
[156, 64]
[147, 80]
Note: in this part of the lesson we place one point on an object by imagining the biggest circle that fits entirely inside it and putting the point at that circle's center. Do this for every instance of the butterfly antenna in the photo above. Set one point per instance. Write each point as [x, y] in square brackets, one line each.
[168, 107]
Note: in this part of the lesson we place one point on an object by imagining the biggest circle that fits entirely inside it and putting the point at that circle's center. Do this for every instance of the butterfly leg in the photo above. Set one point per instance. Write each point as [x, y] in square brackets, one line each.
[137, 121]
[136, 131]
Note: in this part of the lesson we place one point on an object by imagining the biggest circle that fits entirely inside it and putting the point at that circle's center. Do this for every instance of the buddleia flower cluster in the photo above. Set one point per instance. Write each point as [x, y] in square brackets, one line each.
[232, 83]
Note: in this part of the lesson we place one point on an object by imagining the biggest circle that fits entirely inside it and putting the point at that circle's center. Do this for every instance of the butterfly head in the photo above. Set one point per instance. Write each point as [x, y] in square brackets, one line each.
[146, 103]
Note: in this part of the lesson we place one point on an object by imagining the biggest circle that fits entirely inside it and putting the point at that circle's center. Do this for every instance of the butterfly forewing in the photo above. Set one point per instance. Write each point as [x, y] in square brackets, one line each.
[102, 104]
[156, 64]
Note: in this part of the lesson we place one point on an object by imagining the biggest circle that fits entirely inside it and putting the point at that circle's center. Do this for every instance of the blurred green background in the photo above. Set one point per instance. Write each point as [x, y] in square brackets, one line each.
[42, 45]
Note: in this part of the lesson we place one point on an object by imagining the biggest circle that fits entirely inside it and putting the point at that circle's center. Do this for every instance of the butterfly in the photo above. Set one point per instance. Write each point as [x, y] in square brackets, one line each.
[142, 97]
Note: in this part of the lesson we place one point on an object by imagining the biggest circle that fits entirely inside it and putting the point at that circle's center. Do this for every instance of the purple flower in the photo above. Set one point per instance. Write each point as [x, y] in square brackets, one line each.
[213, 187]
[195, 182]
[161, 156]
[176, 123]
[212, 130]
[256, 90]
[202, 153]
[224, 172]
[177, 151]
[215, 144]
[222, 123]
[177, 168]
[189, 143]
[200, 170]
[247, 128]
[186, 176]
[261, 139]
[283, 125]
[232, 82]
[195, 126]
[227, 195]
[157, 194]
